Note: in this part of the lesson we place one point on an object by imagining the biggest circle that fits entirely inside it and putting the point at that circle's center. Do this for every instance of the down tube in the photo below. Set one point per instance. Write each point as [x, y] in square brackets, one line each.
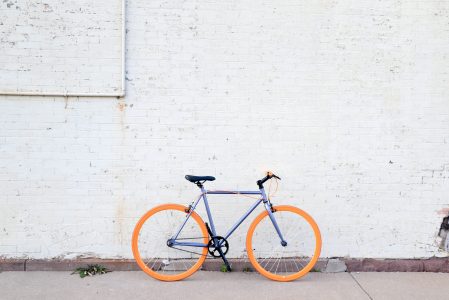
[237, 224]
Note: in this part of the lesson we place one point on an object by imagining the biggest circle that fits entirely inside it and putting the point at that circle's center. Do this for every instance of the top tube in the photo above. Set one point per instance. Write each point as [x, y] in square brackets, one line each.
[233, 192]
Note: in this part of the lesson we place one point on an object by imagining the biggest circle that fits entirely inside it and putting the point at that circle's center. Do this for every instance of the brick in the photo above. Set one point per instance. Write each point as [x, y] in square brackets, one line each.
[12, 265]
[70, 265]
[436, 265]
[392, 265]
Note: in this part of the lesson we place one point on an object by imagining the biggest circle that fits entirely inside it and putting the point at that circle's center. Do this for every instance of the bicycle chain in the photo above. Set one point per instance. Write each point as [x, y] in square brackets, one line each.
[188, 250]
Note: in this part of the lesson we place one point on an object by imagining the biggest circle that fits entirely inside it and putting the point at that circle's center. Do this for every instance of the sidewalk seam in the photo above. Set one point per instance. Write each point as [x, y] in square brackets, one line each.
[358, 283]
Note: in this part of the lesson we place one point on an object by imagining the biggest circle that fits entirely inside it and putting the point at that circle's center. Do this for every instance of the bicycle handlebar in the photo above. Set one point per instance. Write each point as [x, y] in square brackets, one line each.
[263, 180]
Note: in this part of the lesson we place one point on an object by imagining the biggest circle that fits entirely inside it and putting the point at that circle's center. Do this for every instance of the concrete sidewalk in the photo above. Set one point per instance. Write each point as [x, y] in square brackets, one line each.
[238, 285]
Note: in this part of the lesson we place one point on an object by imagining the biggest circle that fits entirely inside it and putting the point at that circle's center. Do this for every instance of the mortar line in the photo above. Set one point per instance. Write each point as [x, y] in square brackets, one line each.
[361, 287]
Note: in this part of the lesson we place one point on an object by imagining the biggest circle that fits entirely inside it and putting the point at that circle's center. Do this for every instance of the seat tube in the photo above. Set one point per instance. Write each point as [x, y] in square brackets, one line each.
[209, 215]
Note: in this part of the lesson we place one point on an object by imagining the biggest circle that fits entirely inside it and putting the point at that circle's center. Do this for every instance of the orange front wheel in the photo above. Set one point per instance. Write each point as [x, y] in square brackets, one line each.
[289, 259]
[153, 251]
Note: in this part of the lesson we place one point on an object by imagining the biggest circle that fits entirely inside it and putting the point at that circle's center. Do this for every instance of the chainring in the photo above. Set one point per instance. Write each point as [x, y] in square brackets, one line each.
[213, 249]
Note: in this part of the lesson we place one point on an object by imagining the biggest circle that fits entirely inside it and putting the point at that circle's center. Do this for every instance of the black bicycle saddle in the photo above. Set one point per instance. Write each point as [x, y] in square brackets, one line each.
[193, 178]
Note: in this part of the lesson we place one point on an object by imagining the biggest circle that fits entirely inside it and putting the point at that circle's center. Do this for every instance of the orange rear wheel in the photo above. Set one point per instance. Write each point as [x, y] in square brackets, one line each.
[284, 262]
[150, 243]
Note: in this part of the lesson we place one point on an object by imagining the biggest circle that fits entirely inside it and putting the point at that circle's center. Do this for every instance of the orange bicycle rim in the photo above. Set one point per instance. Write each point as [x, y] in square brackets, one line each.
[135, 243]
[307, 268]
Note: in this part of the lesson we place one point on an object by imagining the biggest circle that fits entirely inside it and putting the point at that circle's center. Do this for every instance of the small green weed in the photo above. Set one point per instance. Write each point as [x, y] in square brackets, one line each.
[91, 270]
[223, 268]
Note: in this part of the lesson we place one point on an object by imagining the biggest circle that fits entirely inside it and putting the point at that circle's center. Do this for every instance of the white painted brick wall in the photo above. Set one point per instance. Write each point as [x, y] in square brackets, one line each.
[60, 47]
[347, 101]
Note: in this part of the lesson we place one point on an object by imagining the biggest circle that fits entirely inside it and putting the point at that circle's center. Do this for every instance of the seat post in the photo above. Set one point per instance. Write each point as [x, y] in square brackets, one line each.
[200, 184]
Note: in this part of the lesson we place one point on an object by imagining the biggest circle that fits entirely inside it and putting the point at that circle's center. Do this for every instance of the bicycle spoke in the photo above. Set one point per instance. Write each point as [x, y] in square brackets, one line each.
[277, 247]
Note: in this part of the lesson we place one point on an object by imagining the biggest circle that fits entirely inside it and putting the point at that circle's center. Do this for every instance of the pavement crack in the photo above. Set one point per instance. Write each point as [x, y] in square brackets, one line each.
[361, 287]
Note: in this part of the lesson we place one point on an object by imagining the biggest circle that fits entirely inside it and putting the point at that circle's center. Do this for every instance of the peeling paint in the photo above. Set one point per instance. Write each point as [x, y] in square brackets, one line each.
[443, 211]
[121, 105]
[47, 8]
[119, 217]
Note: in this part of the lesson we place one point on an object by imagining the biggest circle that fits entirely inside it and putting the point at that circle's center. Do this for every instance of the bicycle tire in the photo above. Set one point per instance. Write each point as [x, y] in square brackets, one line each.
[161, 267]
[265, 265]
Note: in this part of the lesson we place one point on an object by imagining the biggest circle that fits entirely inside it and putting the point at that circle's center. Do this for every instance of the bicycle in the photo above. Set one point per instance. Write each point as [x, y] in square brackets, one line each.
[171, 241]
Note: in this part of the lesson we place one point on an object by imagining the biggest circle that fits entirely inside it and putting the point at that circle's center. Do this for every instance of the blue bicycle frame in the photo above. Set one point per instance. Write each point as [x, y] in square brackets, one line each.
[203, 196]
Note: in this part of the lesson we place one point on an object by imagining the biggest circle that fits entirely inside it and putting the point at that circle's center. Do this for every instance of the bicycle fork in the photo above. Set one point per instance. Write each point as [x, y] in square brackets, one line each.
[270, 210]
